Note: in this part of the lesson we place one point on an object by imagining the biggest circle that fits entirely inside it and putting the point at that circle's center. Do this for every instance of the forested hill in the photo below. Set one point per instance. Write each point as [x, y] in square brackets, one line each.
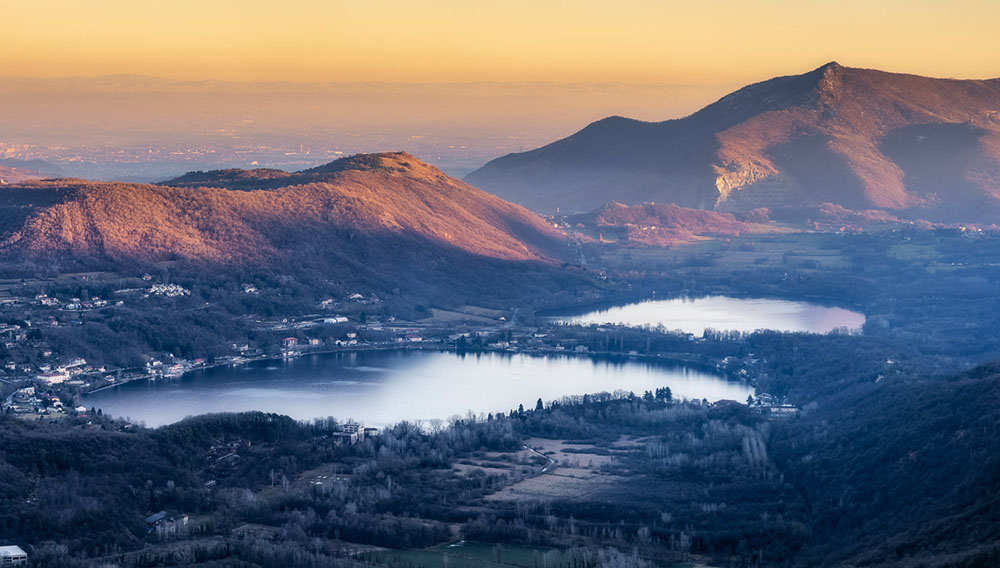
[383, 220]
[901, 473]
[859, 138]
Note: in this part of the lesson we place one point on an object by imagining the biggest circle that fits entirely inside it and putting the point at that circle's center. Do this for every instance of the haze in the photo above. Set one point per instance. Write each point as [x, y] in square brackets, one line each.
[147, 90]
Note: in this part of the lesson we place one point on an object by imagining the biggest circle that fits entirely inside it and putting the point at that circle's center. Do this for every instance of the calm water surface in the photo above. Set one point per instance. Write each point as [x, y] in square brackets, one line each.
[695, 315]
[381, 388]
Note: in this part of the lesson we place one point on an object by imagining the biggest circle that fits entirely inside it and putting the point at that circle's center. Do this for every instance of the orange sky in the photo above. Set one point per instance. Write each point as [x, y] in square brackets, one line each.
[467, 40]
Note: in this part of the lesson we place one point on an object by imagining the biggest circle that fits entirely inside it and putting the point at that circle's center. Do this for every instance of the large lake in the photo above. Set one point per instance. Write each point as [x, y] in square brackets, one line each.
[695, 315]
[381, 388]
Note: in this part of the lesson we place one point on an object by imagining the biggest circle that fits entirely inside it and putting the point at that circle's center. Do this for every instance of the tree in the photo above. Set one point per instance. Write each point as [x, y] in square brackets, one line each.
[539, 405]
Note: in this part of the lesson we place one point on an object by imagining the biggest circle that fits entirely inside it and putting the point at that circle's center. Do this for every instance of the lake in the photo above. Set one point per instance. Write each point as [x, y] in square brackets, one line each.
[721, 313]
[384, 387]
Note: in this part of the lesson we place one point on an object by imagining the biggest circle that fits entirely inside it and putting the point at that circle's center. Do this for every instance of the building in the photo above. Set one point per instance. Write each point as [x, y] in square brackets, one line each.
[12, 556]
[155, 518]
[54, 377]
[165, 525]
[349, 433]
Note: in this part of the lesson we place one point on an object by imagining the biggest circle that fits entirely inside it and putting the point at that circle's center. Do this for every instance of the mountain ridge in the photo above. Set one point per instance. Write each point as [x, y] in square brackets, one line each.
[835, 134]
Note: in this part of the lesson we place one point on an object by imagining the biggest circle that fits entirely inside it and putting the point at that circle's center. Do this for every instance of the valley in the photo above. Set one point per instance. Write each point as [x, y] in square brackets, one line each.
[764, 334]
[675, 480]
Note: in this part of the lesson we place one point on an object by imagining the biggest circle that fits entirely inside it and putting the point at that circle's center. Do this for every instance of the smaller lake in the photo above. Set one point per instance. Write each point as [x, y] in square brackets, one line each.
[721, 313]
[385, 387]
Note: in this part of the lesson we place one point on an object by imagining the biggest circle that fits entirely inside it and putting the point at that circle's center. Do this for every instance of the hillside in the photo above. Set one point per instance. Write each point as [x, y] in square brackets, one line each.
[859, 138]
[381, 221]
[901, 474]
[656, 224]
[14, 175]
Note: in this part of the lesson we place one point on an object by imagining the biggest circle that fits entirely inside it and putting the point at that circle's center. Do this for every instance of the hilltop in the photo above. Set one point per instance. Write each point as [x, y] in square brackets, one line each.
[858, 138]
[382, 221]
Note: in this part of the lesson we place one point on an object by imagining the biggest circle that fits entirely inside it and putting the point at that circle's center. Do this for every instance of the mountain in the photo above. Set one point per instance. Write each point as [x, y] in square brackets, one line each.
[383, 221]
[38, 168]
[859, 138]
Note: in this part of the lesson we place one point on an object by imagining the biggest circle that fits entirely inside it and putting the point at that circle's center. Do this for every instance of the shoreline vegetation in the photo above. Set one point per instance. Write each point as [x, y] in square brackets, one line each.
[612, 355]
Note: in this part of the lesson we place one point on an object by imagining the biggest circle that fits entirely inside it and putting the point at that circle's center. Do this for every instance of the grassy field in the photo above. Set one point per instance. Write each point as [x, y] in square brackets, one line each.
[735, 253]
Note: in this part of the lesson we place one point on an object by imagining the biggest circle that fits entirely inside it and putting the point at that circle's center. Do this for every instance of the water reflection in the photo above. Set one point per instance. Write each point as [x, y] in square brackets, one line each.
[385, 387]
[695, 315]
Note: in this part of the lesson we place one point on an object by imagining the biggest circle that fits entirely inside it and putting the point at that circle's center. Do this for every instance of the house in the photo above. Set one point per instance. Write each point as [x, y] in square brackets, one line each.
[12, 555]
[289, 342]
[165, 525]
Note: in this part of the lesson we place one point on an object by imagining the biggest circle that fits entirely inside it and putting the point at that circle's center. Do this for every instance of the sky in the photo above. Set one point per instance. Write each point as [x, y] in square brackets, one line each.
[146, 89]
[704, 42]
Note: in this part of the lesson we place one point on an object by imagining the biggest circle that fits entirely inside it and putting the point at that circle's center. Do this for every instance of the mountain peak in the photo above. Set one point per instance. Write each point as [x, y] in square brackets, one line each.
[831, 77]
[266, 178]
